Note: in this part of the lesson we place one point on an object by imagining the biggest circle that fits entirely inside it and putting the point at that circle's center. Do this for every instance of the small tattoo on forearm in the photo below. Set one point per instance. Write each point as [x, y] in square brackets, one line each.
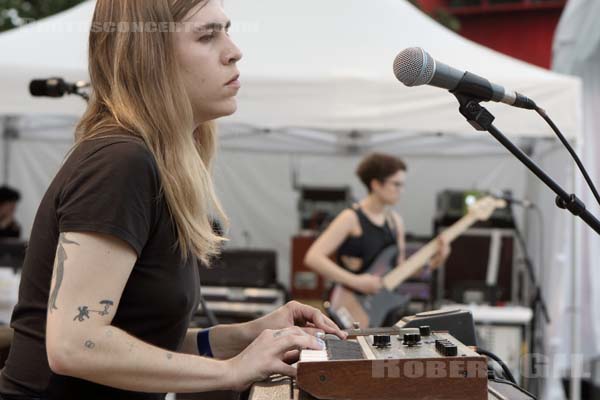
[277, 334]
[61, 257]
[89, 344]
[107, 304]
[84, 311]
[169, 356]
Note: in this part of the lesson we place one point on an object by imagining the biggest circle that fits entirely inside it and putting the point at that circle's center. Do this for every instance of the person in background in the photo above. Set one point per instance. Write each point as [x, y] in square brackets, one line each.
[360, 233]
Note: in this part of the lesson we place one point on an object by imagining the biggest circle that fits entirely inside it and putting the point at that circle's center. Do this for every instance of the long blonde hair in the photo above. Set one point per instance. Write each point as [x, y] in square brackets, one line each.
[137, 89]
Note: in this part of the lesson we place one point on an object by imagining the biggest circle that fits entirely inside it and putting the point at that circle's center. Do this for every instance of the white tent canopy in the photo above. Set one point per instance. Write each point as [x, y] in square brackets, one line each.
[320, 66]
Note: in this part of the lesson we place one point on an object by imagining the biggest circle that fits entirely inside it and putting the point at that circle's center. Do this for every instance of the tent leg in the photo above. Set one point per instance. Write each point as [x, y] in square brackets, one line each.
[10, 132]
[576, 355]
[4, 127]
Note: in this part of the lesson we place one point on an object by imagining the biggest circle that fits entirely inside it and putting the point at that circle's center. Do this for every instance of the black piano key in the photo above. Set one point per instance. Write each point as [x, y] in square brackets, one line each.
[343, 350]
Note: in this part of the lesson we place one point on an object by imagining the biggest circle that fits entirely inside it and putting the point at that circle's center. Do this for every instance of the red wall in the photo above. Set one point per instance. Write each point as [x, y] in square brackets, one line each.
[431, 5]
[523, 31]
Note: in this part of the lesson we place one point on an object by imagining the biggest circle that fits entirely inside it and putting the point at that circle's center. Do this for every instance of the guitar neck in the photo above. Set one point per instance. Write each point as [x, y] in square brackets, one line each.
[411, 266]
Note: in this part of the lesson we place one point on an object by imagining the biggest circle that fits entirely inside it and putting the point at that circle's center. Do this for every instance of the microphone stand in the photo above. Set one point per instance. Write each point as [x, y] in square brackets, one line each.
[482, 120]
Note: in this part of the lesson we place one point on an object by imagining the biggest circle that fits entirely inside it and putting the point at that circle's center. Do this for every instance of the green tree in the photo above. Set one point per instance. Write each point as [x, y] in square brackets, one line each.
[15, 13]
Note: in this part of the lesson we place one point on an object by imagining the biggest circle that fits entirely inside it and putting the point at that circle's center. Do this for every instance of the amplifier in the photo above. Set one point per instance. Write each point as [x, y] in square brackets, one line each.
[239, 304]
[453, 205]
[242, 268]
[12, 252]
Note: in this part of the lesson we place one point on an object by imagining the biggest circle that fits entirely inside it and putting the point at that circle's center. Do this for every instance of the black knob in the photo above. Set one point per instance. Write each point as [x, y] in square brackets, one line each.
[380, 341]
[412, 339]
[451, 351]
[425, 330]
[446, 348]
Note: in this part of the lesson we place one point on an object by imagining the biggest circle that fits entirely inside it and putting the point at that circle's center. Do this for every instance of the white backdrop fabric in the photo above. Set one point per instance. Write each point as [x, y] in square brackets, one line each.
[577, 52]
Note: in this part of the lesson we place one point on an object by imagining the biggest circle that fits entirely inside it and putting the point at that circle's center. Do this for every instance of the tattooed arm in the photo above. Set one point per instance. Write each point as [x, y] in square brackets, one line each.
[90, 273]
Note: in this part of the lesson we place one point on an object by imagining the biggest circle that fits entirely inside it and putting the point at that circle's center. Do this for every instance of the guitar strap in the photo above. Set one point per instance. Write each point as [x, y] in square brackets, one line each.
[392, 224]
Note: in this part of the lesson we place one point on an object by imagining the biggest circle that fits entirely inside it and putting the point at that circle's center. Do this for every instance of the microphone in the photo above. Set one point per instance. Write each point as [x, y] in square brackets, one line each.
[415, 67]
[508, 197]
[55, 87]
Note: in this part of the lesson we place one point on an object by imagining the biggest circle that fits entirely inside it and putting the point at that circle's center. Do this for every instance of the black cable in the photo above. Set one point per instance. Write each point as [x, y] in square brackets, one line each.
[565, 142]
[514, 385]
[494, 357]
[531, 273]
[542, 231]
[537, 337]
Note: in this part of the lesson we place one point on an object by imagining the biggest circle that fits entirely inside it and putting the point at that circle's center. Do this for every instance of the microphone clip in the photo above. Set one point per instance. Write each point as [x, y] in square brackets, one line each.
[477, 115]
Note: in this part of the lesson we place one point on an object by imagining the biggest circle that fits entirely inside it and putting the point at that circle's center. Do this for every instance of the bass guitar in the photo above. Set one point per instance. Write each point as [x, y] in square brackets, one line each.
[348, 307]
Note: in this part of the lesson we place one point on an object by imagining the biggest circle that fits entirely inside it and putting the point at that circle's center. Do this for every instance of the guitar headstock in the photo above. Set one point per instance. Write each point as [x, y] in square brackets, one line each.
[483, 208]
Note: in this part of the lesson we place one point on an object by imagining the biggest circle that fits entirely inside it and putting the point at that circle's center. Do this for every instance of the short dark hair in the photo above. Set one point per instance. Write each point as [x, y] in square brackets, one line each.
[9, 195]
[378, 166]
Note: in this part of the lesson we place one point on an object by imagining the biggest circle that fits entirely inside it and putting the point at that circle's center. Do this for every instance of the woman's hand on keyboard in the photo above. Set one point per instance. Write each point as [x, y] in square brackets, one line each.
[267, 355]
[310, 319]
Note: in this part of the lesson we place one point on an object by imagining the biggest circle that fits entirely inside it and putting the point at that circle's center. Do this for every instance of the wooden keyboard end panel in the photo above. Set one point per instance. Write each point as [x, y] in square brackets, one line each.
[459, 378]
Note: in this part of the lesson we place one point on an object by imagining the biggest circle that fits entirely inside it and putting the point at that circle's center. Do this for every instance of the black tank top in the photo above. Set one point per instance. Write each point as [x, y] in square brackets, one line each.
[369, 244]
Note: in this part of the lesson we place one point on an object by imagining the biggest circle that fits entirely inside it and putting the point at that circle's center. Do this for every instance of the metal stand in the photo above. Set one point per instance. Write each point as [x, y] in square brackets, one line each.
[482, 120]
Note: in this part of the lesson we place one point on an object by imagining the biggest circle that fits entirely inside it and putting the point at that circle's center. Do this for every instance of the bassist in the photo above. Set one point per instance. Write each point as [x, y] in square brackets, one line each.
[360, 233]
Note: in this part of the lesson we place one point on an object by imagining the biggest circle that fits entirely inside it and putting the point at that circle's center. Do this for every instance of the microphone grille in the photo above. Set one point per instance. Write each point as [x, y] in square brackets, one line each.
[414, 67]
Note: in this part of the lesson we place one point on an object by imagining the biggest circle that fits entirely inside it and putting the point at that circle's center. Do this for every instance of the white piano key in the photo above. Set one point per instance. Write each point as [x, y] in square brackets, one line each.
[313, 355]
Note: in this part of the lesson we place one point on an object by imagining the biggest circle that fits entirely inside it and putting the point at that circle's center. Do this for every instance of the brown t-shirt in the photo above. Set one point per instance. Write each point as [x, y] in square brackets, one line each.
[109, 186]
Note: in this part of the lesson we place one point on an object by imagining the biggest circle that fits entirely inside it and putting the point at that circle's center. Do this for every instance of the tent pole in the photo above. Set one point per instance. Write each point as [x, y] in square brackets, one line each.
[5, 152]
[10, 132]
[576, 355]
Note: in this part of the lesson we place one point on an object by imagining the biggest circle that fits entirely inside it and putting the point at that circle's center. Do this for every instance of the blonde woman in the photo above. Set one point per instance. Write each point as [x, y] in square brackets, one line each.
[110, 281]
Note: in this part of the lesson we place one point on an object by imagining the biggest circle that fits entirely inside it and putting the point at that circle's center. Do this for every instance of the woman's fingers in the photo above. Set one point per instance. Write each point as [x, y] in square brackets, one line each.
[312, 331]
[285, 369]
[291, 356]
[297, 341]
[304, 314]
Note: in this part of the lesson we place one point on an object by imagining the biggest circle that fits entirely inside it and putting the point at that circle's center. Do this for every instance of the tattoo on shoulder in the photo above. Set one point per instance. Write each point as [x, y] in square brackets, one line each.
[61, 257]
[89, 344]
[84, 311]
